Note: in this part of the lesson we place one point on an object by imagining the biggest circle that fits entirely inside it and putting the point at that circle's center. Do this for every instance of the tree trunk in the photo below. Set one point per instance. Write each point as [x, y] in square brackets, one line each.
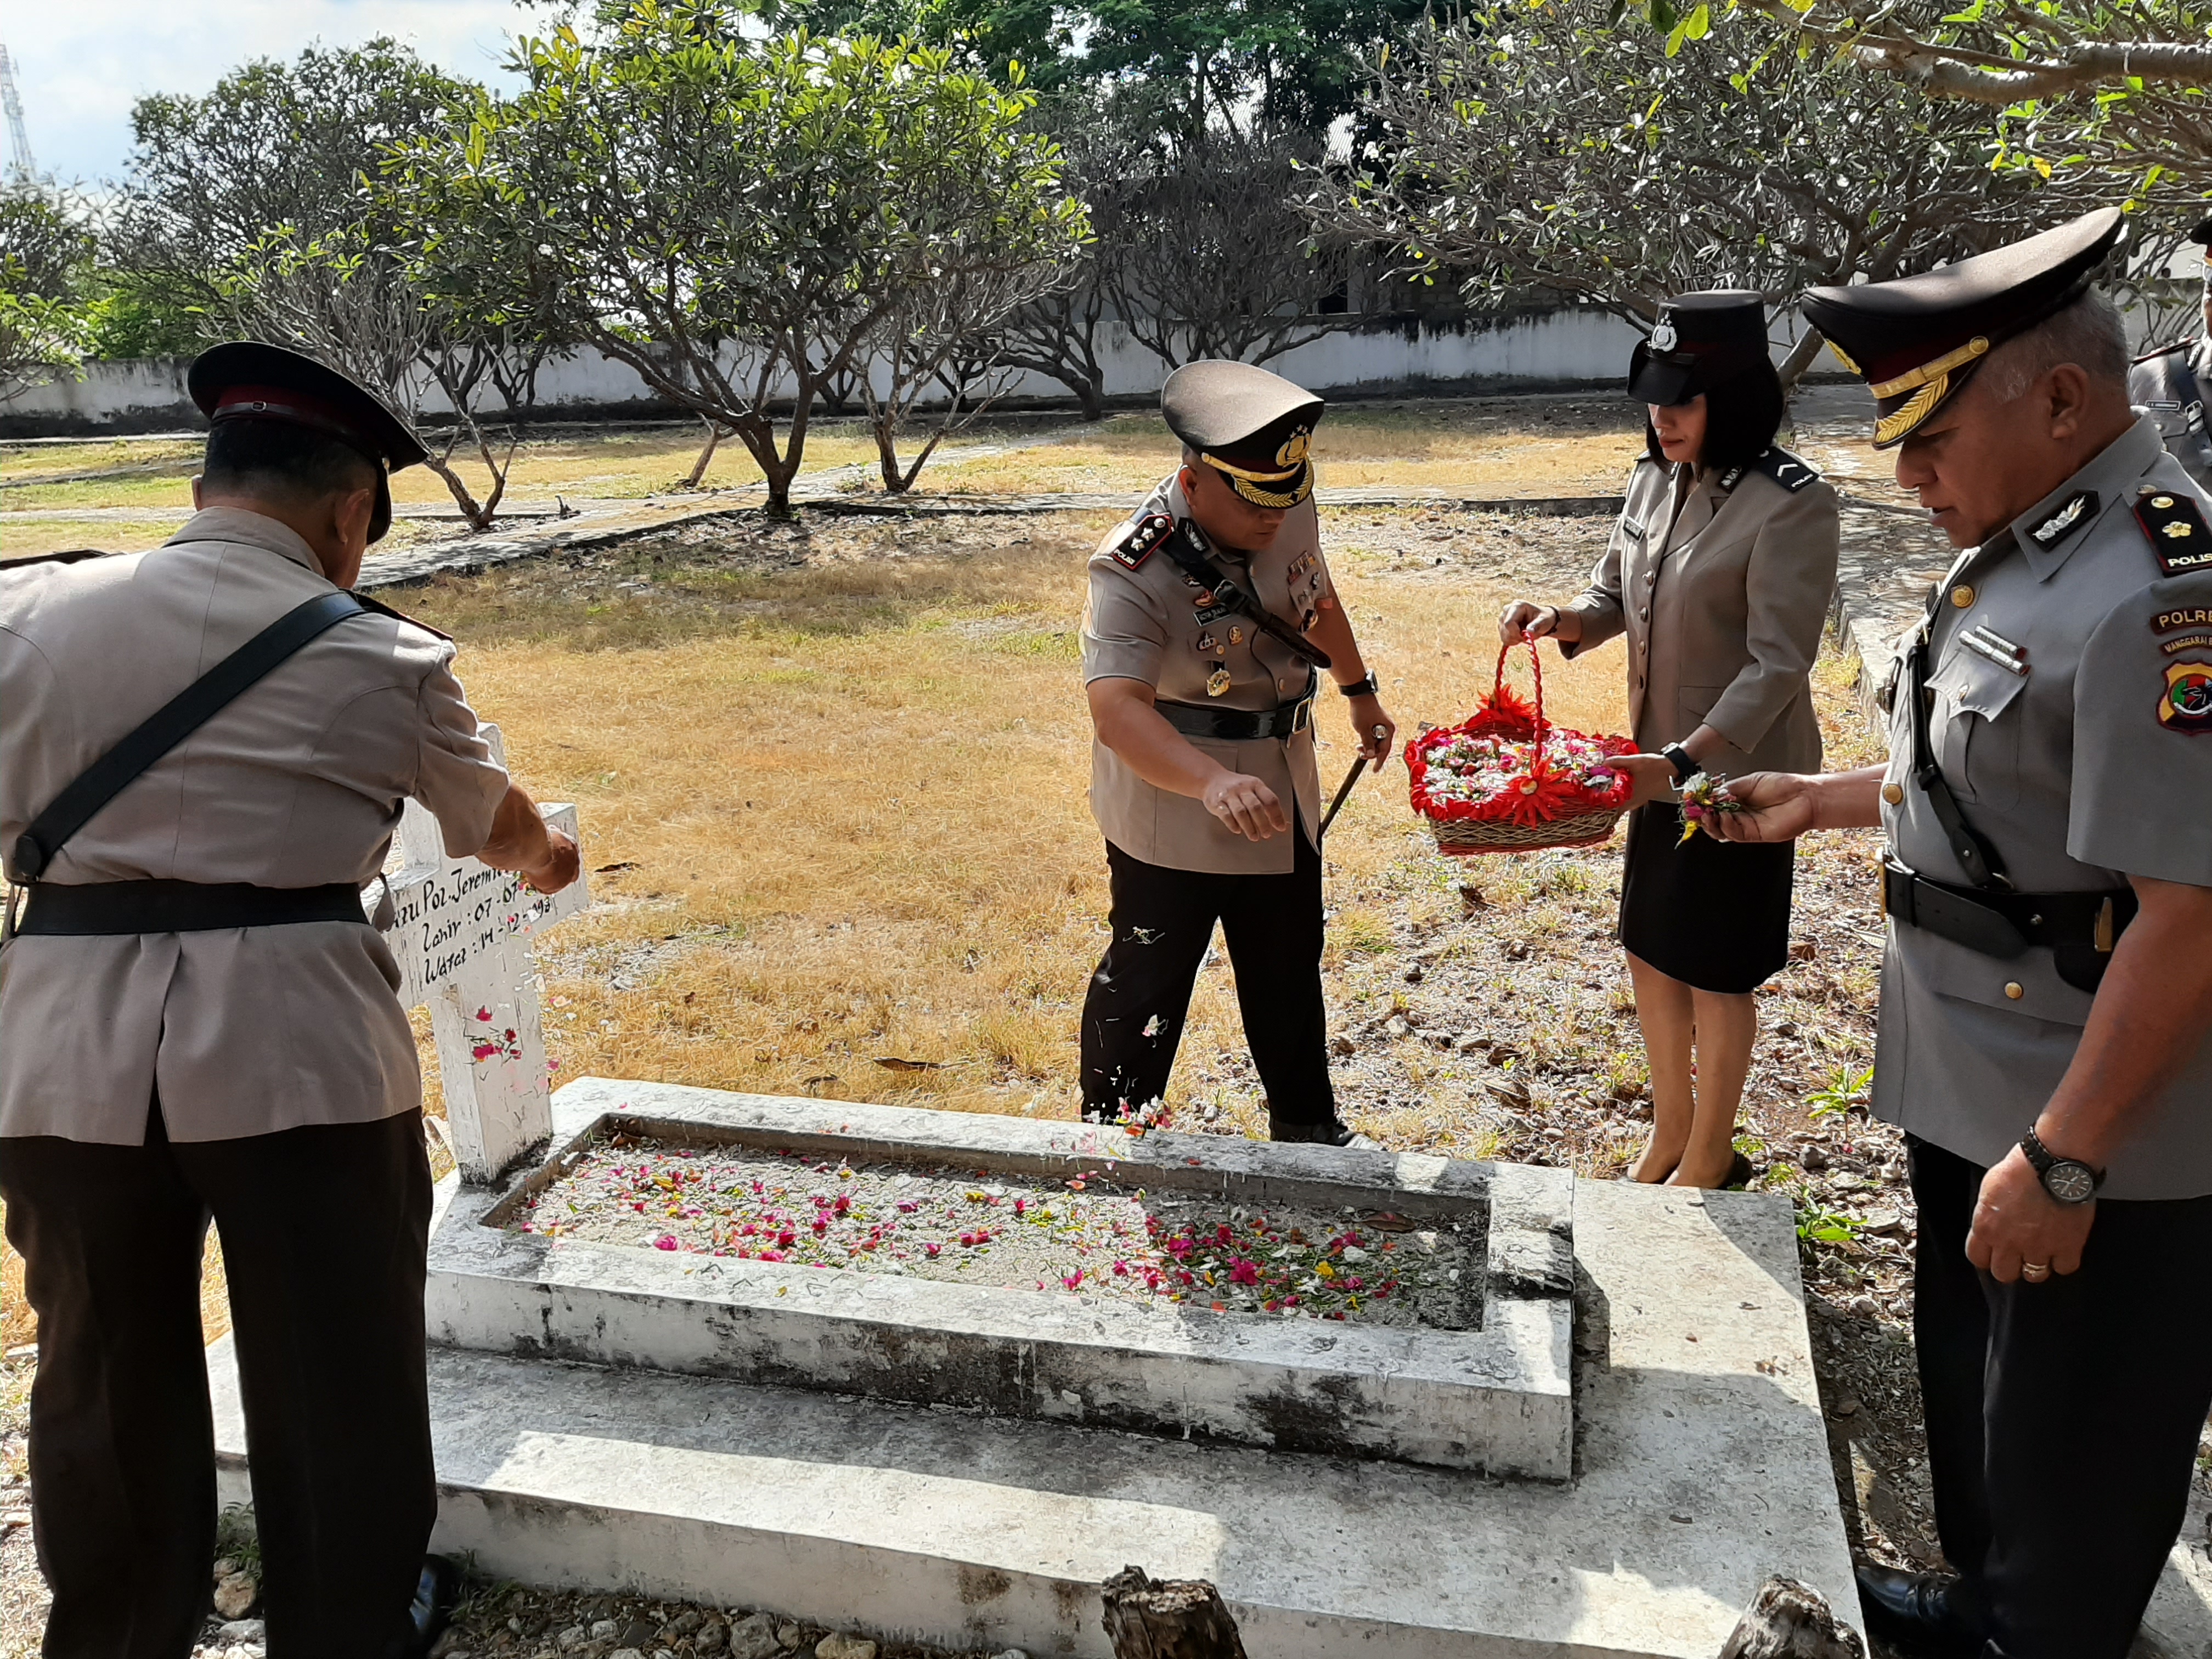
[479, 518]
[706, 456]
[1180, 1619]
[1800, 357]
[1090, 393]
[1789, 1620]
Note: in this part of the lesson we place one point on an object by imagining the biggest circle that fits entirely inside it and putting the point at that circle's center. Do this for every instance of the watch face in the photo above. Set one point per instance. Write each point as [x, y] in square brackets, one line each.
[2070, 1183]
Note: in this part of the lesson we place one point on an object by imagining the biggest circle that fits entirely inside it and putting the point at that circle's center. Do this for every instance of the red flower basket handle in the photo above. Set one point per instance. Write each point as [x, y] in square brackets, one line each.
[1497, 686]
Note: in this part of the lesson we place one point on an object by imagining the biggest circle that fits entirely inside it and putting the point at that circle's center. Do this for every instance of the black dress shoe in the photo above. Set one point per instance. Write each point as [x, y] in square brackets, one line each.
[437, 1593]
[1923, 1612]
[1742, 1172]
[1331, 1131]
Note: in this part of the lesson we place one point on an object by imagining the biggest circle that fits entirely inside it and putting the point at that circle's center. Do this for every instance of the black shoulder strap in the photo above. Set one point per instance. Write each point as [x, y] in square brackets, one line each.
[1188, 547]
[169, 725]
[1976, 856]
[1792, 472]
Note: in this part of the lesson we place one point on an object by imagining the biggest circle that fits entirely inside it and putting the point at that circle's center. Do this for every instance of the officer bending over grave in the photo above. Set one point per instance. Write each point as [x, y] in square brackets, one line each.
[2045, 1037]
[204, 752]
[1210, 621]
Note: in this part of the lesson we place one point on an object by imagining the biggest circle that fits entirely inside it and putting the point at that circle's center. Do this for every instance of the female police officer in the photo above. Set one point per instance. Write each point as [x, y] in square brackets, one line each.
[1719, 572]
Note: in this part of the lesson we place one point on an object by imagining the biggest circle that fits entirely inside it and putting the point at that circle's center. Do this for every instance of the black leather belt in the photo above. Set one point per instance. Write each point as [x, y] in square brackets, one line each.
[2081, 928]
[181, 906]
[1197, 720]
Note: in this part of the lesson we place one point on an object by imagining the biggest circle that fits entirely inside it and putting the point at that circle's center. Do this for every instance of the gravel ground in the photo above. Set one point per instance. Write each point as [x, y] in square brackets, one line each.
[1093, 1235]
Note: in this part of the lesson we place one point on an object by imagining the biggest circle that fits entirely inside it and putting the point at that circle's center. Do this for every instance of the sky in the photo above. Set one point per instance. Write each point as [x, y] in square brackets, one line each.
[81, 63]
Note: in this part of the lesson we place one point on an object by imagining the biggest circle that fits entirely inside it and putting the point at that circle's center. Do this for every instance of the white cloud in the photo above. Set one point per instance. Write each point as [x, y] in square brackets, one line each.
[81, 63]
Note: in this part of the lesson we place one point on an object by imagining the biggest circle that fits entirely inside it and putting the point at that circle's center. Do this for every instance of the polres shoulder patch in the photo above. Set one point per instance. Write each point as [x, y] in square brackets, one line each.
[1792, 472]
[1146, 534]
[2178, 536]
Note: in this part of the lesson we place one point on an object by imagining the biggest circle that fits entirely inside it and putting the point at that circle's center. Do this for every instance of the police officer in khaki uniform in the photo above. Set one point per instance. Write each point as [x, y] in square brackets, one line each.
[197, 1023]
[2047, 988]
[1210, 623]
[2170, 384]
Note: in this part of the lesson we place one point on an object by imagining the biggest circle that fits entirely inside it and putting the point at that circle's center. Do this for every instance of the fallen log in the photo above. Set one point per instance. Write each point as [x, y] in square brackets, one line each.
[1169, 1618]
[1789, 1620]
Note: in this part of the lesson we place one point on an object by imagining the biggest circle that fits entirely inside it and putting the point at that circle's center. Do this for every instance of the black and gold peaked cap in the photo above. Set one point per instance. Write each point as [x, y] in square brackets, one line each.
[1917, 340]
[249, 380]
[1254, 428]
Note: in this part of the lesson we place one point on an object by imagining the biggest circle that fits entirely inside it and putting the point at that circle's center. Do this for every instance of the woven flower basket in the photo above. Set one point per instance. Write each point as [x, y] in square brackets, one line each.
[1540, 786]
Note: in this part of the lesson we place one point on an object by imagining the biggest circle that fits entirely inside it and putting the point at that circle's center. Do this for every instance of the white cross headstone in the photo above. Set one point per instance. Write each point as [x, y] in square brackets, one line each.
[460, 931]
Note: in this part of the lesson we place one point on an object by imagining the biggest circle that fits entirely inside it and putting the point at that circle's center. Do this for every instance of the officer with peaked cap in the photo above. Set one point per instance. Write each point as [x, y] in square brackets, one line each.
[1211, 621]
[2046, 991]
[204, 749]
[2170, 383]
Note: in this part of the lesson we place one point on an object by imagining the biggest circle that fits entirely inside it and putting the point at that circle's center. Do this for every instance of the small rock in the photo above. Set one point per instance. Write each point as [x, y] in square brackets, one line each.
[1517, 951]
[639, 1633]
[224, 1566]
[572, 1638]
[235, 1594]
[1847, 1405]
[838, 1645]
[754, 1637]
[1865, 1306]
[682, 1625]
[1342, 1046]
[626, 1653]
[603, 1629]
[787, 1634]
[1815, 1159]
[1883, 1221]
[244, 1630]
[1415, 975]
[1396, 1025]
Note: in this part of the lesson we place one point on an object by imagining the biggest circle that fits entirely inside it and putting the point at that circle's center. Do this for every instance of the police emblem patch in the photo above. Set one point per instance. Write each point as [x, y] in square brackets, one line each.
[2066, 520]
[2185, 705]
[1236, 635]
[1217, 683]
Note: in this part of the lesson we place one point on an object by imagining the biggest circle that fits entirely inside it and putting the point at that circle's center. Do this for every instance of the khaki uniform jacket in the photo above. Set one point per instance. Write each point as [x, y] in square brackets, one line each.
[1721, 582]
[2170, 389]
[2082, 770]
[1144, 620]
[298, 783]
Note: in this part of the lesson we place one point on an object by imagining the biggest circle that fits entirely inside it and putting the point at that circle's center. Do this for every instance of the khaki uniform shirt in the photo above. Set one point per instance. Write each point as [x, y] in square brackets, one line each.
[2080, 776]
[1144, 620]
[2170, 389]
[1721, 582]
[299, 782]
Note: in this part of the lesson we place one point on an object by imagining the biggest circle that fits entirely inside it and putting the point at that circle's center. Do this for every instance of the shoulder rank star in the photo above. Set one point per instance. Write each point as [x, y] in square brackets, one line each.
[2068, 519]
[2178, 536]
[1147, 534]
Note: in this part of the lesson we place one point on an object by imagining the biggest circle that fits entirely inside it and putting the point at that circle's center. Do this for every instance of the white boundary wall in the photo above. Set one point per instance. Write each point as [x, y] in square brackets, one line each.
[1554, 347]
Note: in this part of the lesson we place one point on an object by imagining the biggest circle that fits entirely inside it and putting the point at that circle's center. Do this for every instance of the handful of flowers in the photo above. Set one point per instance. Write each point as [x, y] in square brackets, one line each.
[1704, 799]
[1506, 780]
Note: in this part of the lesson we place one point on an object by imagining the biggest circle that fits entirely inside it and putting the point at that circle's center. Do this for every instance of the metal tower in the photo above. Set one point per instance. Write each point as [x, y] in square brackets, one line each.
[21, 168]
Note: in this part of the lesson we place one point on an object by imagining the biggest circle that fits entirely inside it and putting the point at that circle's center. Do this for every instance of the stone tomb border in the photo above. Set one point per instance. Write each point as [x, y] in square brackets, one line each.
[1498, 1399]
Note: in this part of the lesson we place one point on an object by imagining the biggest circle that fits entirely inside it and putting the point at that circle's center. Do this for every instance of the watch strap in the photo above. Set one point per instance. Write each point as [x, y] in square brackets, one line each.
[1685, 765]
[1362, 687]
[2042, 1159]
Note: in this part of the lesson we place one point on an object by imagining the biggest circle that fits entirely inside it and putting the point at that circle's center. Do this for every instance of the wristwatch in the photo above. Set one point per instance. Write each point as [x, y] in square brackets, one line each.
[1685, 765]
[1366, 688]
[2067, 1179]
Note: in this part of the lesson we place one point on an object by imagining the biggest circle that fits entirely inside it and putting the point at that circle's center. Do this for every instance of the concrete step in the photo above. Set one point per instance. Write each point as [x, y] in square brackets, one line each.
[1703, 1469]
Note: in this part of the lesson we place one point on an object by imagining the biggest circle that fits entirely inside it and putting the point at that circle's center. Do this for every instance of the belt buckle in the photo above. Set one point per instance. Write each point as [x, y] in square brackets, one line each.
[1302, 716]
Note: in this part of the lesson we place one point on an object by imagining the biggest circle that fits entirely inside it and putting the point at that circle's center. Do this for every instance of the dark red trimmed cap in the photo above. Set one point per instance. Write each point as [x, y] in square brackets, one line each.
[1254, 428]
[1917, 340]
[1699, 340]
[247, 380]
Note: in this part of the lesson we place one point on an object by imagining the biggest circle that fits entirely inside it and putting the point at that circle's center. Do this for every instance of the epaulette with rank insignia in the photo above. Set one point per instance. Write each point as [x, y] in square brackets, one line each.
[384, 609]
[1147, 534]
[1792, 472]
[2177, 530]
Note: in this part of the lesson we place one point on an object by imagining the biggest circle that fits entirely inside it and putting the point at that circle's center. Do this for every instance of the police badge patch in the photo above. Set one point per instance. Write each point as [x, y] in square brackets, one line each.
[2185, 704]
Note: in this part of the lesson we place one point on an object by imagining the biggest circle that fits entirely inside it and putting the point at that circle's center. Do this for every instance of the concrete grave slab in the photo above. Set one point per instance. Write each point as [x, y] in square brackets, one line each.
[1701, 1469]
[1498, 1398]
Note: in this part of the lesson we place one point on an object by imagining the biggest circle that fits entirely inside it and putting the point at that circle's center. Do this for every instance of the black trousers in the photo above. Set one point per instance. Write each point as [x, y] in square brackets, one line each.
[1162, 920]
[323, 1232]
[2062, 1417]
